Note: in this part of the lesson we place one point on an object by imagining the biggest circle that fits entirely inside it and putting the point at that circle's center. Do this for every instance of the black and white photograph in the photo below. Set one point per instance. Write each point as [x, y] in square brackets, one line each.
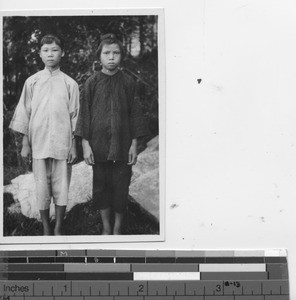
[83, 126]
[157, 125]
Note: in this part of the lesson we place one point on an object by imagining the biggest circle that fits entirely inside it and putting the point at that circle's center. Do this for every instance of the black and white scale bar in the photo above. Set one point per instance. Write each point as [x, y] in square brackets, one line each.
[143, 275]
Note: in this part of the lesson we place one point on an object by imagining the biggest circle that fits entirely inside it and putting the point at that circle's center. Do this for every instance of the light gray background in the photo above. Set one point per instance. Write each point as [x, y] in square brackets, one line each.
[231, 140]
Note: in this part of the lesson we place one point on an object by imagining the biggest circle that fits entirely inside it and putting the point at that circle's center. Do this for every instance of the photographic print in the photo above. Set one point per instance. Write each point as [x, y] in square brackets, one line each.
[83, 133]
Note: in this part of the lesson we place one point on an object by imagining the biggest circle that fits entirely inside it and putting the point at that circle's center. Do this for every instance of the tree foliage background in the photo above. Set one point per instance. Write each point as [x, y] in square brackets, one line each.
[81, 35]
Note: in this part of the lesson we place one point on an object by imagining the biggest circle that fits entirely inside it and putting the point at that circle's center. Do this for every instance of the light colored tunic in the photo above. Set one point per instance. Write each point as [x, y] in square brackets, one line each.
[47, 112]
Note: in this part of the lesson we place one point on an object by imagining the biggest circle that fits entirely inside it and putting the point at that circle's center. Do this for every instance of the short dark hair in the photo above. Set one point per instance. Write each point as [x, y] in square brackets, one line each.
[108, 39]
[50, 38]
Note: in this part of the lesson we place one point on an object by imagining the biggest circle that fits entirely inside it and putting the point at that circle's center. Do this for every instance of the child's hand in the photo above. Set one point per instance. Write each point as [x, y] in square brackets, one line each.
[26, 152]
[132, 154]
[72, 156]
[87, 153]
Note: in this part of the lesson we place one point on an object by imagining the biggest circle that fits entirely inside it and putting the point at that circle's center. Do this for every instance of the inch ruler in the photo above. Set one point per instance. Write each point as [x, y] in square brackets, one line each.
[143, 275]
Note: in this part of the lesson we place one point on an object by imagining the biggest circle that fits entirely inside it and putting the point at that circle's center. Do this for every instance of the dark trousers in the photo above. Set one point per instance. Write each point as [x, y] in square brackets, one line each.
[111, 182]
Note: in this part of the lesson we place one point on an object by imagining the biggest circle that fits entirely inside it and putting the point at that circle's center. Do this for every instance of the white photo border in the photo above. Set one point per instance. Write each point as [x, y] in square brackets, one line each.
[98, 239]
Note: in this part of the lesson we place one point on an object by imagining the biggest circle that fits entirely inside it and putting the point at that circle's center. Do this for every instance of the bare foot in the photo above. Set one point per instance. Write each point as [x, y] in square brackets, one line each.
[118, 223]
[57, 231]
[117, 231]
[46, 230]
[106, 231]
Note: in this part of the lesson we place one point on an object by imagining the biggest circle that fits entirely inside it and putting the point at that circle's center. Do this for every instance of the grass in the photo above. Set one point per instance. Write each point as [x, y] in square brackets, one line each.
[81, 220]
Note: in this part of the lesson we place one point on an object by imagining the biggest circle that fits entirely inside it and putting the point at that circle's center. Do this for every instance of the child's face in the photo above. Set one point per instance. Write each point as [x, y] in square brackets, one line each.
[51, 55]
[110, 57]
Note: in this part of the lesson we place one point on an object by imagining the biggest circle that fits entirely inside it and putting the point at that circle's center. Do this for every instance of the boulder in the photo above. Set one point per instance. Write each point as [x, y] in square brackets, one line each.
[144, 186]
[23, 190]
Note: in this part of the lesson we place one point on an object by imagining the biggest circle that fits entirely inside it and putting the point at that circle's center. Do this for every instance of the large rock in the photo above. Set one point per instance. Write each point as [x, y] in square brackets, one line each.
[144, 186]
[23, 190]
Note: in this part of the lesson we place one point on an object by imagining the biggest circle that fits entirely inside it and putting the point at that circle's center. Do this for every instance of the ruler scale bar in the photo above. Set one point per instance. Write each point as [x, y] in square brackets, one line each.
[161, 287]
[143, 274]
